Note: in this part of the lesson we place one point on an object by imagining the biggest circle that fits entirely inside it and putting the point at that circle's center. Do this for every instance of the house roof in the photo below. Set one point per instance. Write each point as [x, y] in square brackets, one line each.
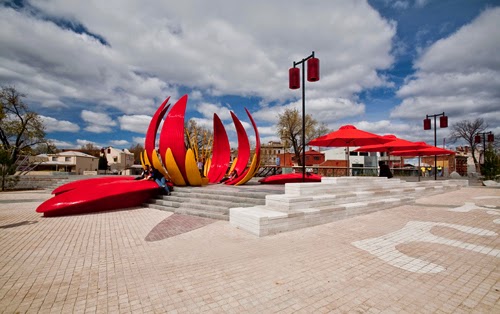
[68, 154]
[71, 154]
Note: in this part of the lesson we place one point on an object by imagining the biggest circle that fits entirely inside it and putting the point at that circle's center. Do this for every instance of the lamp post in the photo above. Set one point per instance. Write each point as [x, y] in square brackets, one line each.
[443, 123]
[484, 135]
[294, 83]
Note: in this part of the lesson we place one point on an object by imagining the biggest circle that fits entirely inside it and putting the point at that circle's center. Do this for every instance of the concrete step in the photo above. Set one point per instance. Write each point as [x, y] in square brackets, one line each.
[210, 201]
[203, 213]
[309, 204]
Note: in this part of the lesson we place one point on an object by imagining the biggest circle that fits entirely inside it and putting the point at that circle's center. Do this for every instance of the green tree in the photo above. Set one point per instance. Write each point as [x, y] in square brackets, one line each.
[45, 148]
[103, 163]
[20, 131]
[7, 168]
[20, 128]
[491, 167]
[289, 128]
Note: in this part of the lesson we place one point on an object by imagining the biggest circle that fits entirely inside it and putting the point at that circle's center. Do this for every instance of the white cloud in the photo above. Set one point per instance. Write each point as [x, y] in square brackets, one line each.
[135, 123]
[62, 144]
[212, 47]
[321, 109]
[97, 122]
[119, 143]
[208, 110]
[458, 75]
[54, 125]
[81, 142]
[138, 140]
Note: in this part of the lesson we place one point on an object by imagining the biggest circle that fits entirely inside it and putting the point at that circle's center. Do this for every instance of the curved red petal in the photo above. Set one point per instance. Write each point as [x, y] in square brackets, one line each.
[172, 134]
[221, 152]
[243, 149]
[149, 142]
[257, 150]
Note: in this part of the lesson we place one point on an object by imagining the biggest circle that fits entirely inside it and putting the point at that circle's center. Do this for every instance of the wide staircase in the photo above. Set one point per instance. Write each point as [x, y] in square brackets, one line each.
[309, 204]
[212, 201]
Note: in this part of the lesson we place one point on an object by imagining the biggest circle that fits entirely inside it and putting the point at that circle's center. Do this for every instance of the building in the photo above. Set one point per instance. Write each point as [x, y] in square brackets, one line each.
[118, 159]
[270, 153]
[71, 162]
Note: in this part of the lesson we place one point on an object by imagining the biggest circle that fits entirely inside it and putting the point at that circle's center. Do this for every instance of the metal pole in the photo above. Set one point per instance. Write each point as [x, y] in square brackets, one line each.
[303, 113]
[435, 144]
[303, 123]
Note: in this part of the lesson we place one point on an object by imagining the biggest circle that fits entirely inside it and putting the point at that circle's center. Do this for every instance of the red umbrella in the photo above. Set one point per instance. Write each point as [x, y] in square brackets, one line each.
[394, 145]
[348, 136]
[427, 151]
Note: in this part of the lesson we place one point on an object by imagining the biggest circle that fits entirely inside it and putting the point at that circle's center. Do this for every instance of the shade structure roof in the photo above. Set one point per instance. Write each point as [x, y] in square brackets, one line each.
[394, 145]
[348, 136]
[427, 151]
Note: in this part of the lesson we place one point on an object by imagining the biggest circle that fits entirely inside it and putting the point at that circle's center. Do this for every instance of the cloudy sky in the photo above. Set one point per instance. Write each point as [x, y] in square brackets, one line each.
[97, 70]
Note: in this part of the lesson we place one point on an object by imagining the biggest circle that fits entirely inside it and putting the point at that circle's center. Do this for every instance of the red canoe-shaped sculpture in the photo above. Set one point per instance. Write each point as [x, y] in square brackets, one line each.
[290, 178]
[88, 183]
[102, 197]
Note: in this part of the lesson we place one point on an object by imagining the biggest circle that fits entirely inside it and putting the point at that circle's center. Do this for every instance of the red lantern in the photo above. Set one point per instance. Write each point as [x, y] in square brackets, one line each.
[427, 124]
[477, 139]
[491, 138]
[294, 78]
[443, 121]
[313, 70]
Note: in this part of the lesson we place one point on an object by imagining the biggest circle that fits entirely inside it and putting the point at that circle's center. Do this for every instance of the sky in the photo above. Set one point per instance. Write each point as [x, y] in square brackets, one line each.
[96, 71]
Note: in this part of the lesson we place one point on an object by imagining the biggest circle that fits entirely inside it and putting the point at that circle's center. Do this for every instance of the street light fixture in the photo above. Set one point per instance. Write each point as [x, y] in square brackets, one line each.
[294, 83]
[443, 123]
[485, 136]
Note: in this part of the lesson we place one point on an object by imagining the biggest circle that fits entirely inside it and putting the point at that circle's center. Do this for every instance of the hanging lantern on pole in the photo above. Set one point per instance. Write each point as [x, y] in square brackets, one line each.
[427, 124]
[477, 139]
[443, 121]
[313, 70]
[491, 138]
[294, 78]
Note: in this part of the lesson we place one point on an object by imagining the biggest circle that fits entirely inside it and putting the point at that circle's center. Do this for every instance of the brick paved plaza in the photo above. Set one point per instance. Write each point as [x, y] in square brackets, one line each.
[440, 255]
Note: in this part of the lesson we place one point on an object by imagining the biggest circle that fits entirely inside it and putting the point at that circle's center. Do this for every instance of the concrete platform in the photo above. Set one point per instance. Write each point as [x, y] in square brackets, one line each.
[439, 254]
[309, 204]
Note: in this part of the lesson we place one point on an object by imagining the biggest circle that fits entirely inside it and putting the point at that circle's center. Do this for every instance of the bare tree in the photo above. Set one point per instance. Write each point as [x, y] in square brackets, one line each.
[290, 127]
[20, 128]
[467, 130]
[137, 150]
[199, 139]
[91, 149]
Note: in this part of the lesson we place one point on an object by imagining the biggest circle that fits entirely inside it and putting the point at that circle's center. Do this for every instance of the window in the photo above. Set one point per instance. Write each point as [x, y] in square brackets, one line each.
[363, 153]
[67, 159]
[115, 159]
[316, 158]
[54, 158]
[353, 153]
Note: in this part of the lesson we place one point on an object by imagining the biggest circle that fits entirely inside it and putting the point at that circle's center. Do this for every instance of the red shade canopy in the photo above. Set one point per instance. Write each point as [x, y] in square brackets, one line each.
[347, 136]
[394, 145]
[427, 151]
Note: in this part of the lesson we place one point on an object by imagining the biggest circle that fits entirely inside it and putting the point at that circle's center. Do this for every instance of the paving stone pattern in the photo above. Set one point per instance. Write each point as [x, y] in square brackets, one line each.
[177, 224]
[102, 263]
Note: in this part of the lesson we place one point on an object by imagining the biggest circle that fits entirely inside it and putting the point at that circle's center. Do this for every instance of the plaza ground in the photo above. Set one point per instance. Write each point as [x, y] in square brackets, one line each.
[439, 255]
